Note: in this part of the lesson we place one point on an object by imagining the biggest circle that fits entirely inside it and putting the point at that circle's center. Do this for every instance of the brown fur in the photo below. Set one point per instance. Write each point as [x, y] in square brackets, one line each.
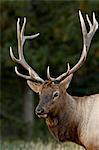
[70, 118]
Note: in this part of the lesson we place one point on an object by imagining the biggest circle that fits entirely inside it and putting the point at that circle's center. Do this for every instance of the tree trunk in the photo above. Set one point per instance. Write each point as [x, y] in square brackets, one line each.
[28, 111]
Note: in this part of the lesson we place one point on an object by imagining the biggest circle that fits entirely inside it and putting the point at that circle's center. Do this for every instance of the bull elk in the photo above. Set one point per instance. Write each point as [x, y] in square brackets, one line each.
[69, 118]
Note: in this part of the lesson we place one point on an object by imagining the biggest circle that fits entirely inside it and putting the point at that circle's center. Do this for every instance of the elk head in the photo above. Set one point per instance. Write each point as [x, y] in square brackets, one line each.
[51, 96]
[52, 90]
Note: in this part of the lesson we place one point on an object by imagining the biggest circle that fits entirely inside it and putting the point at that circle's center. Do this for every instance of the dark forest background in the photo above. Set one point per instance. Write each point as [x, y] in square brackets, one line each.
[60, 41]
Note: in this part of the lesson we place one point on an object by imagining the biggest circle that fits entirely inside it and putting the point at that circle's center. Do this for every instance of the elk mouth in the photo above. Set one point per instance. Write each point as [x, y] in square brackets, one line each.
[42, 115]
[41, 112]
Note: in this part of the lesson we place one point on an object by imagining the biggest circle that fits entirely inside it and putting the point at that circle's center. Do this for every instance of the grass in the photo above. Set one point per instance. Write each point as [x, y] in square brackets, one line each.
[39, 145]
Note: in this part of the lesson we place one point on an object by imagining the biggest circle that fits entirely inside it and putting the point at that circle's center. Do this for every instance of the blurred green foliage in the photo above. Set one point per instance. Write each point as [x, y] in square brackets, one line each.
[50, 145]
[60, 41]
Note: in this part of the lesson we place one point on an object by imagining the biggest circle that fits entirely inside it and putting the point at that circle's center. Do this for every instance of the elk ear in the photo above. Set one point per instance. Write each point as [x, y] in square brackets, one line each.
[67, 81]
[36, 87]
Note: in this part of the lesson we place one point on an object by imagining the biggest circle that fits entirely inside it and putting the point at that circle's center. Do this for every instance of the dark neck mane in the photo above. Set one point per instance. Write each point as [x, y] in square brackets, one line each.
[64, 126]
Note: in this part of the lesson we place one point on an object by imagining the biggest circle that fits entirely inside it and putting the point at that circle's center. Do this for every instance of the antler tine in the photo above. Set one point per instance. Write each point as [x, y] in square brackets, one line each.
[48, 75]
[12, 56]
[21, 40]
[87, 37]
[18, 35]
[60, 77]
[90, 24]
[21, 75]
[23, 28]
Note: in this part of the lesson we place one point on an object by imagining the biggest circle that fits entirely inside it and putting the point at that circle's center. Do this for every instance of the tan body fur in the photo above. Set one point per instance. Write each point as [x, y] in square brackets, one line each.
[84, 122]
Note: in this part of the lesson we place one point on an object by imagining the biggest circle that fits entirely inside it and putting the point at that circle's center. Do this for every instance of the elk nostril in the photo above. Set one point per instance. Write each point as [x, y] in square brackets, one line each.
[39, 111]
[42, 110]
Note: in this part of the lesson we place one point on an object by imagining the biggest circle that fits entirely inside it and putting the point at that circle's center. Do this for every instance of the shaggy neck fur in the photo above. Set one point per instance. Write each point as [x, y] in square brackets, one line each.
[64, 126]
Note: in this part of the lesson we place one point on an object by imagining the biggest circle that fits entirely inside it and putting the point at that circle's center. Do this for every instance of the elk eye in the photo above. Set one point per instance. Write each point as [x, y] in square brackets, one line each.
[55, 94]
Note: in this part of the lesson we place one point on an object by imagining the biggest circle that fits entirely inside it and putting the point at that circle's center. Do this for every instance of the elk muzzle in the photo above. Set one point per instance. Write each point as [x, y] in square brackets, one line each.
[40, 112]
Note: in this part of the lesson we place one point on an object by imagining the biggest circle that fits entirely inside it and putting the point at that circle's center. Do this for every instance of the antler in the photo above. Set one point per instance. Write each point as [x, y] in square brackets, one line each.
[21, 40]
[87, 37]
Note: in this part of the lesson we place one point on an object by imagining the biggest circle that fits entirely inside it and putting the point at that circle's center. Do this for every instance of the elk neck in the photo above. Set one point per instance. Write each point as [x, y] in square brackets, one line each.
[64, 126]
